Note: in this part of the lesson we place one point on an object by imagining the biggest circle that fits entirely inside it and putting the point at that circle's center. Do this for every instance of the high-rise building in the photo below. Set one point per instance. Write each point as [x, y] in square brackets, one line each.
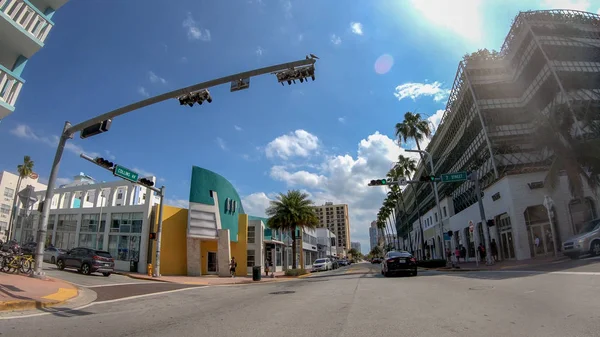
[24, 28]
[373, 235]
[8, 188]
[355, 245]
[335, 218]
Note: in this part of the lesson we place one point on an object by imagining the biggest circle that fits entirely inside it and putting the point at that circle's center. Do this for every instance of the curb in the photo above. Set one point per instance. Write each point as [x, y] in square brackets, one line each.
[61, 296]
[143, 278]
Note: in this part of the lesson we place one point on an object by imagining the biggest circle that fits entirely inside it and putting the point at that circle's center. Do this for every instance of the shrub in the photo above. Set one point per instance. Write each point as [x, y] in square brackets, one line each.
[295, 272]
[438, 263]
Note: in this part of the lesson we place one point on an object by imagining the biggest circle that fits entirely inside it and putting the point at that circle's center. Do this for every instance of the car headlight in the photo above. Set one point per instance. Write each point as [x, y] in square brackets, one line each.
[581, 241]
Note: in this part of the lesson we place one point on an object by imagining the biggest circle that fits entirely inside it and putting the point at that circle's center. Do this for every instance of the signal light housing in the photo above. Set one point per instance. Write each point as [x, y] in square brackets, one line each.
[146, 182]
[195, 97]
[427, 178]
[291, 75]
[378, 182]
[104, 163]
[95, 129]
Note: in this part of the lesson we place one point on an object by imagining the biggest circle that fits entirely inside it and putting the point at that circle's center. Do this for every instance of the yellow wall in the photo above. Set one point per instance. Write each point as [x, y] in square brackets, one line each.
[239, 249]
[173, 254]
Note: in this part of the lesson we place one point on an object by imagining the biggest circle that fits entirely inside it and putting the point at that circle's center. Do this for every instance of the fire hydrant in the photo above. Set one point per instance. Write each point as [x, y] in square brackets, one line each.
[149, 269]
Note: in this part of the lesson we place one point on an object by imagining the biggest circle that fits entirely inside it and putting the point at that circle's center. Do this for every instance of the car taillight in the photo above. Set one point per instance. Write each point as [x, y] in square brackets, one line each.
[412, 259]
[390, 260]
[96, 257]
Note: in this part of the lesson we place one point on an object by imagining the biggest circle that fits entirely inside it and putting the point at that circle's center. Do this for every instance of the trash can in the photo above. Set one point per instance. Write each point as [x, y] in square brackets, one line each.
[133, 266]
[256, 275]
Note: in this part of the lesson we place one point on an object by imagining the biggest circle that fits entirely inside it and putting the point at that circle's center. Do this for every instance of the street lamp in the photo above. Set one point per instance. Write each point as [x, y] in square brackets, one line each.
[101, 124]
[549, 205]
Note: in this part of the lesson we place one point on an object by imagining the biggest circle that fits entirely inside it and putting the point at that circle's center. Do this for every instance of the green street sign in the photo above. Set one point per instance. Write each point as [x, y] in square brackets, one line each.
[454, 177]
[125, 173]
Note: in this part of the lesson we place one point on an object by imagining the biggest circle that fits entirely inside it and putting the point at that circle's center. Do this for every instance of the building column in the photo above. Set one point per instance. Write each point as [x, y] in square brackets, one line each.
[224, 252]
[193, 257]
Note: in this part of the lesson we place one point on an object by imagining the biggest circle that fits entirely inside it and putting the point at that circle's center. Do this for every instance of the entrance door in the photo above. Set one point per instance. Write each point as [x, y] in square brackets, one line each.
[212, 263]
[508, 250]
[541, 237]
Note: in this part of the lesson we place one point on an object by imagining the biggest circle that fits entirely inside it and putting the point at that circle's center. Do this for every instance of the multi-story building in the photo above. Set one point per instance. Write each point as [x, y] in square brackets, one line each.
[549, 61]
[326, 243]
[8, 188]
[355, 245]
[335, 218]
[373, 235]
[24, 28]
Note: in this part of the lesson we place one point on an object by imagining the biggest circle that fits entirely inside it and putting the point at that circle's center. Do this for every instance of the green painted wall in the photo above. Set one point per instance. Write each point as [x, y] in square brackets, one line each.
[204, 181]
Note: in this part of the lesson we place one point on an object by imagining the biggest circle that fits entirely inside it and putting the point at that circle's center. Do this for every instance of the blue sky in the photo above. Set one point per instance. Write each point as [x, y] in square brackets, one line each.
[327, 137]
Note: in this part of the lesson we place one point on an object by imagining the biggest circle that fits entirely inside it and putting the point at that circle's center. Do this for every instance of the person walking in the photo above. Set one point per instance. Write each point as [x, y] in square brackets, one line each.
[494, 249]
[232, 266]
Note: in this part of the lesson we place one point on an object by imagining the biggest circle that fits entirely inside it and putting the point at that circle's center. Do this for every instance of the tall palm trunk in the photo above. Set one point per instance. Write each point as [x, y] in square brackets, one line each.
[294, 249]
[420, 223]
[13, 213]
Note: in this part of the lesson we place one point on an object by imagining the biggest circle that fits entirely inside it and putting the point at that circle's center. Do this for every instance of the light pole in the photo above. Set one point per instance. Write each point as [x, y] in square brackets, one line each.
[285, 72]
[549, 205]
[159, 232]
[437, 198]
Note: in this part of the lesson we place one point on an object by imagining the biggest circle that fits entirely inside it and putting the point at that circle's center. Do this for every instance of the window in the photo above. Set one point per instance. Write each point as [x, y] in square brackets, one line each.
[250, 257]
[124, 247]
[67, 222]
[9, 192]
[436, 217]
[126, 222]
[4, 209]
[3, 225]
[445, 214]
[120, 195]
[51, 220]
[90, 223]
[251, 234]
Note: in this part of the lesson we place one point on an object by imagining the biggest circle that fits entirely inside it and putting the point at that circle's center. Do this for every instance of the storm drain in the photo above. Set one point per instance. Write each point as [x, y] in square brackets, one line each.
[282, 292]
[482, 288]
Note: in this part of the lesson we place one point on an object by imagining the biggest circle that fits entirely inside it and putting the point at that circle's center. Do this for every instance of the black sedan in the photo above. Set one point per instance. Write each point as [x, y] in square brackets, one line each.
[396, 262]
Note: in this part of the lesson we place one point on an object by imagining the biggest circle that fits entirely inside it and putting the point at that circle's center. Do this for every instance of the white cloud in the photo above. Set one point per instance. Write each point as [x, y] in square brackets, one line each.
[450, 16]
[342, 119]
[298, 143]
[143, 173]
[416, 90]
[181, 203]
[142, 91]
[183, 59]
[259, 51]
[256, 204]
[194, 31]
[300, 37]
[436, 119]
[63, 181]
[237, 128]
[109, 155]
[25, 132]
[336, 40]
[287, 8]
[155, 78]
[357, 28]
[221, 143]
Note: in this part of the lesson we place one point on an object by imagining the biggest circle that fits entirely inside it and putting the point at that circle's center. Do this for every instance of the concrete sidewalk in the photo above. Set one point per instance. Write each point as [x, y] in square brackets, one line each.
[504, 265]
[210, 280]
[20, 292]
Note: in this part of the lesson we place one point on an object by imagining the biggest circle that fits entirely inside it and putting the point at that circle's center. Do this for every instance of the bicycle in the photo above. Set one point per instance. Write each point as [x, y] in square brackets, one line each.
[17, 262]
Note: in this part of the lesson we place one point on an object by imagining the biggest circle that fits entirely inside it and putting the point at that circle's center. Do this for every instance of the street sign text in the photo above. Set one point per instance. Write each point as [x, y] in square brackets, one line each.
[125, 173]
[453, 177]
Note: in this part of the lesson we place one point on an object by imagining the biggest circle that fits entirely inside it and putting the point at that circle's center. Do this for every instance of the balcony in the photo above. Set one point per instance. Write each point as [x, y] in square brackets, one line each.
[23, 28]
[10, 86]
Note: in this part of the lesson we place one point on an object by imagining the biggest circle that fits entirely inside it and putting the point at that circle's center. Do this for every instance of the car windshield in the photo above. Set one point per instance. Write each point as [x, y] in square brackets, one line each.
[320, 261]
[590, 226]
[103, 253]
[398, 254]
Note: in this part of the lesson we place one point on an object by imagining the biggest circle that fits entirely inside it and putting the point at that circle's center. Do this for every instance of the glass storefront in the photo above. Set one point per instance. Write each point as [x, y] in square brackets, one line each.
[125, 236]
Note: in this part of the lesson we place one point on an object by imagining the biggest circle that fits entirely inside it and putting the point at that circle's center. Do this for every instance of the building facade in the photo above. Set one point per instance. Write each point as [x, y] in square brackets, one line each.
[355, 245]
[335, 218]
[374, 235]
[326, 243]
[24, 28]
[548, 62]
[8, 188]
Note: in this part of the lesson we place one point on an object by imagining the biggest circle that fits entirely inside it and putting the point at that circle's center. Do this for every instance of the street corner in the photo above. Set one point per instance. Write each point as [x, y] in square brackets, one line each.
[20, 298]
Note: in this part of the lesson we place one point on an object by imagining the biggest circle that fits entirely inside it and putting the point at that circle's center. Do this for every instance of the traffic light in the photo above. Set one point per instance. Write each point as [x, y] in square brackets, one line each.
[152, 236]
[196, 97]
[427, 178]
[146, 182]
[95, 129]
[104, 162]
[450, 233]
[291, 75]
[378, 182]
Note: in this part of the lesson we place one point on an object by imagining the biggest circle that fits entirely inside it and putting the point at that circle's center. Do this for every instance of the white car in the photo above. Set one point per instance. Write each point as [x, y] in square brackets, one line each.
[51, 253]
[322, 264]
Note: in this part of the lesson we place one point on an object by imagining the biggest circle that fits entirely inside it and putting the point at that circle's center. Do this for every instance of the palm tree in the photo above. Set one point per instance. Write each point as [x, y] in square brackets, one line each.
[24, 170]
[578, 157]
[290, 212]
[382, 227]
[405, 167]
[390, 203]
[413, 127]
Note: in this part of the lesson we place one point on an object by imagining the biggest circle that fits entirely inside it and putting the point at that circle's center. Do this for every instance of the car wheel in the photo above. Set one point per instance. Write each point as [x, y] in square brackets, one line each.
[52, 260]
[60, 264]
[86, 269]
[106, 274]
[595, 251]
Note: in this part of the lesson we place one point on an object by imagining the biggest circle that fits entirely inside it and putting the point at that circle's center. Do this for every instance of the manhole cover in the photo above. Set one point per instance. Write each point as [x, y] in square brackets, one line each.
[482, 288]
[282, 292]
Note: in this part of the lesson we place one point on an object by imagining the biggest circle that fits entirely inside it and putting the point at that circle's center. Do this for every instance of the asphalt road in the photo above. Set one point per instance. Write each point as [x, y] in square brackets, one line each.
[355, 301]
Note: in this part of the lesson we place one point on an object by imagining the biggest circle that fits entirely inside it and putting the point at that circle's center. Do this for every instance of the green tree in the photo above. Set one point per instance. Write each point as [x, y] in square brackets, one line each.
[290, 212]
[354, 253]
[376, 252]
[24, 170]
[406, 167]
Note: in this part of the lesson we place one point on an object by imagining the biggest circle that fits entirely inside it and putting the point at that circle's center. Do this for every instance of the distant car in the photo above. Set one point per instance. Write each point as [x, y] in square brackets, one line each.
[396, 262]
[87, 261]
[322, 264]
[376, 260]
[51, 253]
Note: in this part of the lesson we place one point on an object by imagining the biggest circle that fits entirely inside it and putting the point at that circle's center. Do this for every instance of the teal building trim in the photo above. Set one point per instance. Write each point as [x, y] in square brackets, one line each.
[19, 66]
[11, 73]
[230, 204]
[49, 12]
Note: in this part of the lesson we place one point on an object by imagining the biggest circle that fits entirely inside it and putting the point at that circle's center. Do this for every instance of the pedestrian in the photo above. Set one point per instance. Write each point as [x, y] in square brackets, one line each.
[494, 249]
[232, 266]
[463, 253]
[267, 264]
[482, 251]
[448, 254]
[457, 254]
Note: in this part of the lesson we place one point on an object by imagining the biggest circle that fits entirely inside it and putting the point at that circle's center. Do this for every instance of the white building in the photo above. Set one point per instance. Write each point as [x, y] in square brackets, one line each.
[76, 223]
[24, 28]
[8, 188]
[355, 245]
[326, 243]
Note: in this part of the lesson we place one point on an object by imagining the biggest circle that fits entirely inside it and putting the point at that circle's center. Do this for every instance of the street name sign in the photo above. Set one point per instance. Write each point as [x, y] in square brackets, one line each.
[454, 177]
[125, 173]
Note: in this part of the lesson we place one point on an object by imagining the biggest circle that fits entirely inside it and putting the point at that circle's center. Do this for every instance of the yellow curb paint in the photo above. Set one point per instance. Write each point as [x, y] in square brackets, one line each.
[62, 294]
[23, 305]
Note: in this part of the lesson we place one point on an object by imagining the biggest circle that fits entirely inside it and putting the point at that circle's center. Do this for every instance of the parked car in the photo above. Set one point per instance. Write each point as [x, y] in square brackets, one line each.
[51, 253]
[587, 241]
[29, 248]
[322, 264]
[11, 246]
[335, 263]
[87, 261]
[395, 262]
[376, 260]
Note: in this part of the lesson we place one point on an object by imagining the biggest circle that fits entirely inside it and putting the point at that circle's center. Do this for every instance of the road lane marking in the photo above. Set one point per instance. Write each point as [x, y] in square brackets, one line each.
[101, 302]
[121, 284]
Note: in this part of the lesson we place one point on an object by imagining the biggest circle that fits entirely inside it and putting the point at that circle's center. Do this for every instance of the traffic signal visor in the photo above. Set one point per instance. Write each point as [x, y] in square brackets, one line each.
[378, 182]
[427, 178]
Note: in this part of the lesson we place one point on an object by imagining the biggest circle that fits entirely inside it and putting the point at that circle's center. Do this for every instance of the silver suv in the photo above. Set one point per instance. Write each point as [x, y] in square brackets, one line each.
[586, 242]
